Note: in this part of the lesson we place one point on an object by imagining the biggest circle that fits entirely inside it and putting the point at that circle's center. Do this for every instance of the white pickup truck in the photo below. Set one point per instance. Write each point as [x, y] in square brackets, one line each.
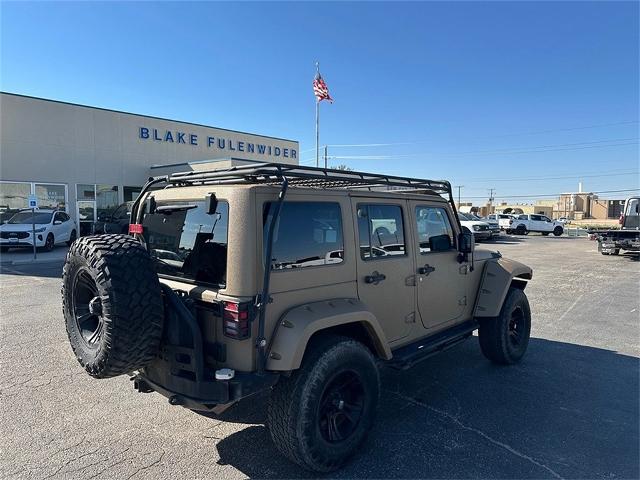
[523, 224]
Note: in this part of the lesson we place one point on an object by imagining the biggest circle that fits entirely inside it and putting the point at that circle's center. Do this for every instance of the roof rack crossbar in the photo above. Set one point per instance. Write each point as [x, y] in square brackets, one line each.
[302, 176]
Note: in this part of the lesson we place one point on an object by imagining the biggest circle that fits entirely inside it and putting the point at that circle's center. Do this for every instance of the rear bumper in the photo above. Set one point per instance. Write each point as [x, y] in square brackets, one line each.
[201, 395]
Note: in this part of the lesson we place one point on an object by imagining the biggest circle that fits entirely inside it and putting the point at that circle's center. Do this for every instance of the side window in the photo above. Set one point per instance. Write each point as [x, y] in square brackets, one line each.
[546, 219]
[380, 230]
[435, 233]
[59, 217]
[307, 234]
[523, 217]
[65, 217]
[537, 218]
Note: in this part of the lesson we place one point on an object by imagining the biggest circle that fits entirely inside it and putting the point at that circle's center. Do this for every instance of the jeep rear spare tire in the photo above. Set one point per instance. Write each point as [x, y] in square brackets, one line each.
[112, 304]
[321, 414]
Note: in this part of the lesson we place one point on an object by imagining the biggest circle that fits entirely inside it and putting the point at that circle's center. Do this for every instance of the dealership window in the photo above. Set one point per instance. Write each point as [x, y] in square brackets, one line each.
[131, 193]
[94, 203]
[15, 196]
[51, 195]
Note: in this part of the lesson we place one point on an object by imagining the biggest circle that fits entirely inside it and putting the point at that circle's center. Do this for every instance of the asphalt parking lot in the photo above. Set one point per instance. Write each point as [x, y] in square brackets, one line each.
[569, 410]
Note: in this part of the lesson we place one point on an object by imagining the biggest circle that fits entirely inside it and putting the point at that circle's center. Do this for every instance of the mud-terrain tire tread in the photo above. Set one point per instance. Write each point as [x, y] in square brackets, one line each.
[131, 298]
[493, 332]
[290, 394]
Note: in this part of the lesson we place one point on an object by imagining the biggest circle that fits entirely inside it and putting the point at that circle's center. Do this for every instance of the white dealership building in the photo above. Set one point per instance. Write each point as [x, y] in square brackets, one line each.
[87, 160]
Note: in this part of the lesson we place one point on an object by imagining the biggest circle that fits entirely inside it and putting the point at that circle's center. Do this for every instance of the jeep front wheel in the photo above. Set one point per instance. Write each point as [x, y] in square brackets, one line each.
[319, 416]
[504, 339]
[112, 304]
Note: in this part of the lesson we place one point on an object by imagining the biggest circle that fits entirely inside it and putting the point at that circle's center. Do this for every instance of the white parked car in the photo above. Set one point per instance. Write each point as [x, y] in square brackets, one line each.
[502, 219]
[481, 230]
[51, 228]
[523, 224]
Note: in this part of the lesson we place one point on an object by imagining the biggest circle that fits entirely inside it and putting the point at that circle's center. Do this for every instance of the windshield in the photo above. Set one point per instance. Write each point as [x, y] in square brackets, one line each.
[187, 242]
[28, 217]
[464, 216]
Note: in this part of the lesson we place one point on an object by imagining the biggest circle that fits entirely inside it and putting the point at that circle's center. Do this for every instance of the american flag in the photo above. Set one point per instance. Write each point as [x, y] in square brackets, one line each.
[320, 89]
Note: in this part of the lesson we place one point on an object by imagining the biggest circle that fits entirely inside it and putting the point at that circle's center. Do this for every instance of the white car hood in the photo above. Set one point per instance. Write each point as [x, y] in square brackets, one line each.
[20, 227]
[471, 223]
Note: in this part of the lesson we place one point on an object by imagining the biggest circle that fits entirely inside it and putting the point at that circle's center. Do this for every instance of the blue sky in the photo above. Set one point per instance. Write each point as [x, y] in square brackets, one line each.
[504, 95]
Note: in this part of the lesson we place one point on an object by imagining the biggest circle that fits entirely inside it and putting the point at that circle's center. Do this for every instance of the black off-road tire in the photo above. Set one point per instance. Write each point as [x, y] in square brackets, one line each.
[110, 281]
[504, 339]
[72, 237]
[521, 230]
[295, 416]
[558, 231]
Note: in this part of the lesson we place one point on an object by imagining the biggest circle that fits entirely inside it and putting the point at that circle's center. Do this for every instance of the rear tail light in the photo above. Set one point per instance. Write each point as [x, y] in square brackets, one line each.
[135, 228]
[621, 219]
[236, 319]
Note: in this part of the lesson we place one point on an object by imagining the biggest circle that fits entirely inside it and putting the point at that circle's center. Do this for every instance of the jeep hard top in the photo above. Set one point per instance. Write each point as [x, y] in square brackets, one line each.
[298, 280]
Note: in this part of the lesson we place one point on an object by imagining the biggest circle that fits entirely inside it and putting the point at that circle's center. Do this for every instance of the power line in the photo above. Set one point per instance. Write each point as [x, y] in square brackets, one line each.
[578, 176]
[558, 194]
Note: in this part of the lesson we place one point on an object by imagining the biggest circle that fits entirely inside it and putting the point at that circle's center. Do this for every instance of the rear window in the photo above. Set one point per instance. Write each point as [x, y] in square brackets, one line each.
[307, 234]
[188, 243]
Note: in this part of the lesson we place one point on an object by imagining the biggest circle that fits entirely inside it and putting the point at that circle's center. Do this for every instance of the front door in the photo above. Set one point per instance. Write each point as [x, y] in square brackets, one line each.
[386, 283]
[440, 278]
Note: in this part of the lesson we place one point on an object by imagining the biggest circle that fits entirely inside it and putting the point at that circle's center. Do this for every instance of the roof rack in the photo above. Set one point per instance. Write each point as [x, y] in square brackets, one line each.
[308, 177]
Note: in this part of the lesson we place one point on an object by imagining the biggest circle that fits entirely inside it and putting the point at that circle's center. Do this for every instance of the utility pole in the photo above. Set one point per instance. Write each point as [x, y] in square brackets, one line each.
[459, 187]
[325, 156]
[491, 190]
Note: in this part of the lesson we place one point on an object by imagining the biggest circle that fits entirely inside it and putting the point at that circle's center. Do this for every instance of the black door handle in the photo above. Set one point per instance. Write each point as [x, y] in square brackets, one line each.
[426, 270]
[375, 278]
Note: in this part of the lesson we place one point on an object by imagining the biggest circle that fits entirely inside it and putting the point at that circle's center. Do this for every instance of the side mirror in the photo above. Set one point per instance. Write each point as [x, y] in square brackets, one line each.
[466, 242]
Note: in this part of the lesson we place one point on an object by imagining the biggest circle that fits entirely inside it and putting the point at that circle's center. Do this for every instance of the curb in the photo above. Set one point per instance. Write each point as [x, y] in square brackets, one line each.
[10, 263]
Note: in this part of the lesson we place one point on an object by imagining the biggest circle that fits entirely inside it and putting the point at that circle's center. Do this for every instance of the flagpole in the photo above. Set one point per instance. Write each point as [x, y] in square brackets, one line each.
[317, 133]
[317, 123]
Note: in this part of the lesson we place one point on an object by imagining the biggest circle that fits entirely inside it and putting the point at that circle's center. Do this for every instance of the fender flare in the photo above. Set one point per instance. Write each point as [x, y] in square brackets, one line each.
[497, 277]
[297, 325]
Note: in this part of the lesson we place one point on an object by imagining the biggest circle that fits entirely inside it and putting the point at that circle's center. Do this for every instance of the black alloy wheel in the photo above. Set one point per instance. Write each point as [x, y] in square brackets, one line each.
[341, 407]
[49, 243]
[516, 327]
[87, 308]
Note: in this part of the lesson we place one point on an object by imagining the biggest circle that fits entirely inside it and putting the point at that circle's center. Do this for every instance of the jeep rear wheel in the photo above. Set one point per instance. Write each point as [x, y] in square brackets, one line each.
[521, 230]
[319, 416]
[504, 339]
[112, 304]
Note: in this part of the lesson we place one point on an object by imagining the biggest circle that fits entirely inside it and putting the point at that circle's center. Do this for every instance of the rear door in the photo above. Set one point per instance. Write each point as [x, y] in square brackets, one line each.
[440, 279]
[59, 228]
[385, 264]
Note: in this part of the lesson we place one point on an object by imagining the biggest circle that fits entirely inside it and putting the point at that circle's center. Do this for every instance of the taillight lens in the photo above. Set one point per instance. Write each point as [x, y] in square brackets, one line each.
[621, 219]
[135, 228]
[236, 320]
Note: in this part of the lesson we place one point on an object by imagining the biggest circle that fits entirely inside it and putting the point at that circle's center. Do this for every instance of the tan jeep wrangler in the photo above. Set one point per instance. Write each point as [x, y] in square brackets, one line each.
[294, 279]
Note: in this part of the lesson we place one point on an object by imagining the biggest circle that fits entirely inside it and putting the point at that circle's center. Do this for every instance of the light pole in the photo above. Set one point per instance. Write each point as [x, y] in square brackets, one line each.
[459, 187]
